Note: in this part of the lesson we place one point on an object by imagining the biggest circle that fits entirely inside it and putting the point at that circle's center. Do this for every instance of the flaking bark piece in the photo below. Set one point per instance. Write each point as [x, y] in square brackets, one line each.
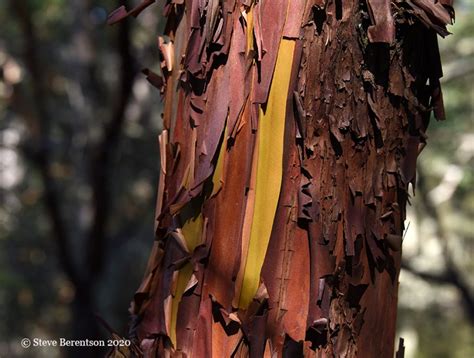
[167, 53]
[401, 349]
[155, 79]
[383, 28]
[122, 13]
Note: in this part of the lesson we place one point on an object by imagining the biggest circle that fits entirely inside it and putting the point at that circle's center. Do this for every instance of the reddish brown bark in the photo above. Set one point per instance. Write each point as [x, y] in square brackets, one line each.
[364, 78]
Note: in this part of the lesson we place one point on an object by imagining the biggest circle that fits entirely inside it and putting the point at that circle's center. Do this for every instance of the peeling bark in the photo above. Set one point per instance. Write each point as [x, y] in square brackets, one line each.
[291, 136]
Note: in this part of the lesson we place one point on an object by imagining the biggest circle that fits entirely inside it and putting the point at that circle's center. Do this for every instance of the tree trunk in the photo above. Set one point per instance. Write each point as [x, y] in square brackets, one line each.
[291, 132]
[85, 327]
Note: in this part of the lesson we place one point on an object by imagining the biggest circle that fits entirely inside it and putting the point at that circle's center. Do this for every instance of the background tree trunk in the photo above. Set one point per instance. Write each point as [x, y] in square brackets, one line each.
[291, 132]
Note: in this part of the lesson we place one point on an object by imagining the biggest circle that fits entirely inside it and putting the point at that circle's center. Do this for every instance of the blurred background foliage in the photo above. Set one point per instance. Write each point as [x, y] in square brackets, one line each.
[79, 167]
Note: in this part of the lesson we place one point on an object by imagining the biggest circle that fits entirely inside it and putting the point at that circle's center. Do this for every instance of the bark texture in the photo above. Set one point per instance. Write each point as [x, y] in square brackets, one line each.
[291, 133]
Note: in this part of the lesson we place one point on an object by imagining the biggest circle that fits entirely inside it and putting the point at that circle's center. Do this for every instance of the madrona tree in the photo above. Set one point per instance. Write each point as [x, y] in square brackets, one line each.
[291, 133]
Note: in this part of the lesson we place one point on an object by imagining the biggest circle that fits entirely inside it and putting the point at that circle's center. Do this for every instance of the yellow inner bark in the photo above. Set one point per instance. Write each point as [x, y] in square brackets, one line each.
[269, 171]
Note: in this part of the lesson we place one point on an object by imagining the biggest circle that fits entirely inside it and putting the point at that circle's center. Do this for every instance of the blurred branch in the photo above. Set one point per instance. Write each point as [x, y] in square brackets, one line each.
[451, 273]
[448, 185]
[440, 278]
[101, 161]
[457, 69]
[447, 277]
[42, 154]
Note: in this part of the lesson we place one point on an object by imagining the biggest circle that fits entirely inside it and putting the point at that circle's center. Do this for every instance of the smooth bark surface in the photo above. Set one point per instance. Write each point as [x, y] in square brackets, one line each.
[291, 133]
